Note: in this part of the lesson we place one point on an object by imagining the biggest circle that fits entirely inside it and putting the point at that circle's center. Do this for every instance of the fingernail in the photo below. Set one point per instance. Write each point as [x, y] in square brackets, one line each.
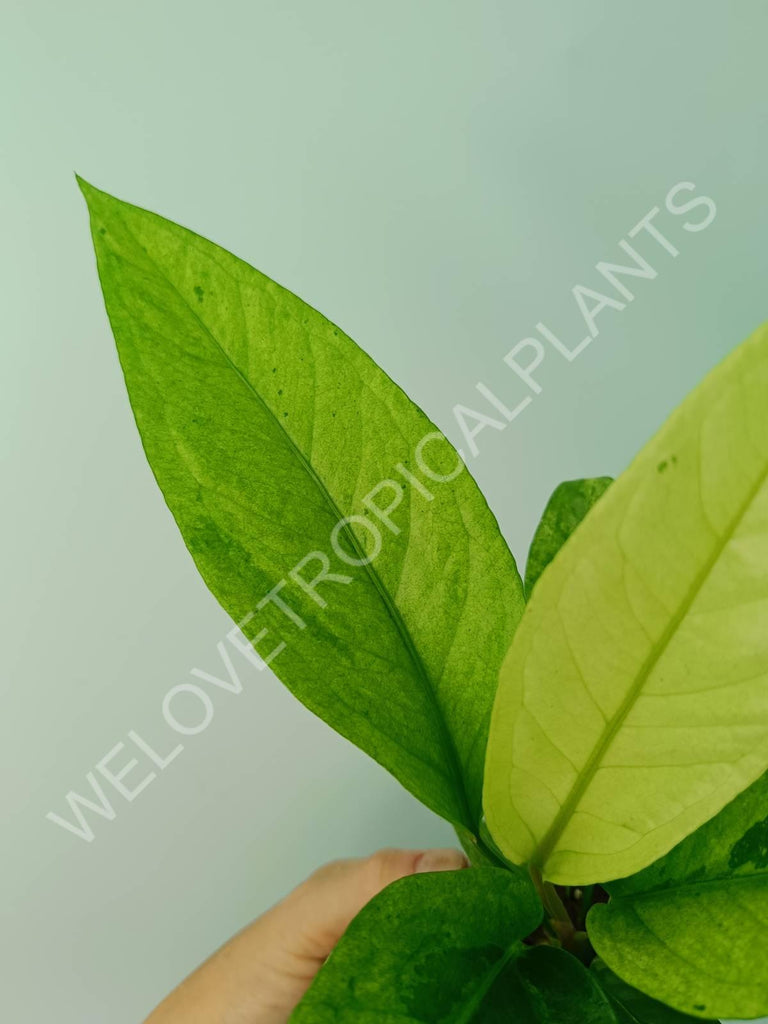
[440, 860]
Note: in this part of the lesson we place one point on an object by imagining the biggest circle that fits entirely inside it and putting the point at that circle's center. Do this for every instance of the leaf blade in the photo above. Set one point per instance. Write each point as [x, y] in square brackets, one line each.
[632, 1006]
[549, 986]
[690, 929]
[232, 379]
[429, 947]
[567, 506]
[445, 948]
[653, 598]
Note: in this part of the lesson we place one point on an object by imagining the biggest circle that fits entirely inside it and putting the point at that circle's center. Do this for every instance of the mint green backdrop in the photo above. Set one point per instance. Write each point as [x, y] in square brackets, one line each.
[435, 177]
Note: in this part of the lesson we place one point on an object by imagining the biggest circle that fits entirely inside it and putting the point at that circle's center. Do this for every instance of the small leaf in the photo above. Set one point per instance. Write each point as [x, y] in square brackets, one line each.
[691, 929]
[633, 703]
[632, 1006]
[266, 427]
[428, 948]
[568, 505]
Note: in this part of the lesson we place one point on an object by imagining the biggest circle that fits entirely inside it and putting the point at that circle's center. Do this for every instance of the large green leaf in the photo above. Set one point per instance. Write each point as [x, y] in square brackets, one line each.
[633, 704]
[428, 948]
[568, 505]
[265, 426]
[445, 949]
[692, 929]
[632, 1006]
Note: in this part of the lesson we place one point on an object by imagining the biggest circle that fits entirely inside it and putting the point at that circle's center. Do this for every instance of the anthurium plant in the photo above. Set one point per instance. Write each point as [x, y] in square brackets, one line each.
[597, 734]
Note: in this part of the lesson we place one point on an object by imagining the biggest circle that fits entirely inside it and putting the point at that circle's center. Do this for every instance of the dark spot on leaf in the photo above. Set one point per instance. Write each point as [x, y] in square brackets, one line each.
[285, 414]
[674, 460]
[699, 1006]
[697, 875]
[752, 848]
[274, 369]
[198, 292]
[662, 466]
[279, 391]
[102, 231]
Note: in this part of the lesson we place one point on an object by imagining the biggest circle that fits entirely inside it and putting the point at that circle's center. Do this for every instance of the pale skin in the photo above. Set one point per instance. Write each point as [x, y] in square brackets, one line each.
[260, 975]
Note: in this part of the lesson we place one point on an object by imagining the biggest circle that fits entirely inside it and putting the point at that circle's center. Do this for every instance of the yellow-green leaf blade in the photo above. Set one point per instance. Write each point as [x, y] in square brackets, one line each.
[264, 426]
[633, 703]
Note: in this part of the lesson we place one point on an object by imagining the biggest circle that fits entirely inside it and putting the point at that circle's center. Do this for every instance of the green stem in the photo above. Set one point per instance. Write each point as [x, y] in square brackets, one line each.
[549, 897]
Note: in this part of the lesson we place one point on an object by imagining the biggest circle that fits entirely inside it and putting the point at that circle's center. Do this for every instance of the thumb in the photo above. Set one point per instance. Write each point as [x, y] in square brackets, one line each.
[259, 976]
[314, 916]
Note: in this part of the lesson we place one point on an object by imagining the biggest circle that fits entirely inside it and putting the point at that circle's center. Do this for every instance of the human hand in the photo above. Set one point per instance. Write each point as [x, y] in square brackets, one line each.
[260, 975]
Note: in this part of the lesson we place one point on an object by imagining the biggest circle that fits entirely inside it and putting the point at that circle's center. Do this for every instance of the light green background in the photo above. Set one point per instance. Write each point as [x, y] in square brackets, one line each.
[434, 176]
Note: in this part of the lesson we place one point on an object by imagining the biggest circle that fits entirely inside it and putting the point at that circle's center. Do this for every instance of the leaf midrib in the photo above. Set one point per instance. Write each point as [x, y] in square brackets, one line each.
[563, 816]
[485, 984]
[449, 746]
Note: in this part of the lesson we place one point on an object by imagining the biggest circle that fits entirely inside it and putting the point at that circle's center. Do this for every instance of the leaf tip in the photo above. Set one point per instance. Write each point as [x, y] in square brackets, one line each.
[84, 186]
[90, 193]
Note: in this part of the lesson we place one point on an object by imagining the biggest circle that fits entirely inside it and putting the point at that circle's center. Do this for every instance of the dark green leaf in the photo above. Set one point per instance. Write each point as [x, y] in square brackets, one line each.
[549, 986]
[692, 929]
[632, 1007]
[429, 948]
[568, 505]
[265, 426]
